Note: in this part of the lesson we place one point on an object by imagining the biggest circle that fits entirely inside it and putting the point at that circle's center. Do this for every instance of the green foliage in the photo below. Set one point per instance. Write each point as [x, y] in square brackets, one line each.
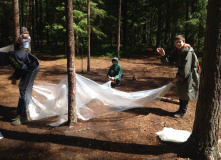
[107, 51]
[142, 22]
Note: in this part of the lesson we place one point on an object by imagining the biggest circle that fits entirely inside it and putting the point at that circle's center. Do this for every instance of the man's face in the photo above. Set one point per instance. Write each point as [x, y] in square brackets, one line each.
[179, 43]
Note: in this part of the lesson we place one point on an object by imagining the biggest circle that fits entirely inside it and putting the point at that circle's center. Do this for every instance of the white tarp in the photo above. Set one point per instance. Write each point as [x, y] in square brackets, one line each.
[92, 99]
[7, 48]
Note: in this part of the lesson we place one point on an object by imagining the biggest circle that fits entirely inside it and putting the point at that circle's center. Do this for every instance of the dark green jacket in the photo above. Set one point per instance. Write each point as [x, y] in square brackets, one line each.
[117, 69]
[186, 62]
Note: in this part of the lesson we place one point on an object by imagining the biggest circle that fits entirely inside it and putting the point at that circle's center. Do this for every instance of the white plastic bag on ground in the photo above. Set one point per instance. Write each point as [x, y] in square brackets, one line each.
[172, 135]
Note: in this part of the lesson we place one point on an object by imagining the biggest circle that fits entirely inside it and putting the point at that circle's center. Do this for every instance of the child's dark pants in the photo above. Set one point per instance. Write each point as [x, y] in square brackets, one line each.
[25, 88]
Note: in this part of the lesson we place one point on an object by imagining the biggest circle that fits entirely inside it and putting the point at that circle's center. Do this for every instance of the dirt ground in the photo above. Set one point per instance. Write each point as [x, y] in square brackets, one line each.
[124, 135]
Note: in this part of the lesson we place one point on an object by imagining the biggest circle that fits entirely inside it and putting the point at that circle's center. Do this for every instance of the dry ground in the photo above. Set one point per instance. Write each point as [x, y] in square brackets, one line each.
[124, 135]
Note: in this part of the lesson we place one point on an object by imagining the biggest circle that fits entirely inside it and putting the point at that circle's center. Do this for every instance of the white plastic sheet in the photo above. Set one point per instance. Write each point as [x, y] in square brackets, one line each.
[7, 48]
[92, 99]
[173, 135]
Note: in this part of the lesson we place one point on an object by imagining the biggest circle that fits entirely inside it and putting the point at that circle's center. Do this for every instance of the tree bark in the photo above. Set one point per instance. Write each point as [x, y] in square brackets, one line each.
[167, 39]
[16, 21]
[47, 19]
[22, 12]
[158, 43]
[187, 17]
[37, 22]
[118, 32]
[88, 36]
[125, 24]
[33, 27]
[72, 110]
[204, 138]
[40, 22]
[151, 33]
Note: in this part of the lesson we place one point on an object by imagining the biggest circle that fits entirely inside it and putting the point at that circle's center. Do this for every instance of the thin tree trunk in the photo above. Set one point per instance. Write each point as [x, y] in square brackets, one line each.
[22, 12]
[167, 39]
[40, 22]
[27, 14]
[118, 33]
[144, 41]
[33, 27]
[47, 19]
[158, 43]
[16, 21]
[187, 19]
[151, 33]
[204, 138]
[125, 18]
[88, 36]
[37, 22]
[72, 110]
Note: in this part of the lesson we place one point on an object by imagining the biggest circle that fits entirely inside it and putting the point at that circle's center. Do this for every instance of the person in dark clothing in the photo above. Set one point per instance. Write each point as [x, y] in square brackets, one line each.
[115, 72]
[187, 77]
[26, 69]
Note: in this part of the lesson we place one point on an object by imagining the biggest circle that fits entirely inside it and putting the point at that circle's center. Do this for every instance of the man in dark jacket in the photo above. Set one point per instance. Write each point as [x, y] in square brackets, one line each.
[115, 72]
[187, 77]
[26, 69]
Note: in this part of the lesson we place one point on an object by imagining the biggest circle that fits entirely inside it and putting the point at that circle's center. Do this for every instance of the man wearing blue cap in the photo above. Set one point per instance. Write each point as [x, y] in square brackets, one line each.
[26, 69]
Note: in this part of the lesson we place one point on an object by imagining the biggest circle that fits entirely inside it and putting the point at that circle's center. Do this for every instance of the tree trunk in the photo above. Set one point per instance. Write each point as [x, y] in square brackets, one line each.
[72, 110]
[187, 19]
[27, 14]
[47, 20]
[144, 41]
[33, 27]
[37, 22]
[16, 21]
[22, 12]
[158, 43]
[151, 33]
[118, 32]
[125, 18]
[167, 39]
[88, 36]
[40, 22]
[206, 125]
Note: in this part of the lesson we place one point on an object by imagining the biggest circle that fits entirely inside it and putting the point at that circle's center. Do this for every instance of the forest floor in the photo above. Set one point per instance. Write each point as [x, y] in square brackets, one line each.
[125, 135]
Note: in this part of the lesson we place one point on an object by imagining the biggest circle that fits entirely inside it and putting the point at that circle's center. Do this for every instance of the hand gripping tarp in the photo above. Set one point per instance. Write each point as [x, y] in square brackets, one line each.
[92, 99]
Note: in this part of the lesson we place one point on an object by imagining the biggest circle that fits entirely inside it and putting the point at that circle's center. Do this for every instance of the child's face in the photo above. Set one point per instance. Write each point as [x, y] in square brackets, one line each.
[114, 62]
[179, 43]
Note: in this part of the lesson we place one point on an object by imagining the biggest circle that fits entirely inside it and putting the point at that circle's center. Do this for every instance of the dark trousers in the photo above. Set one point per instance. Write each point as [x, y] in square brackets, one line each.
[25, 88]
[112, 74]
[183, 106]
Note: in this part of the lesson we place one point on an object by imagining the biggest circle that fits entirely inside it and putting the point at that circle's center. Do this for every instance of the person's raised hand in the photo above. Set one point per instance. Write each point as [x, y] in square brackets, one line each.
[161, 51]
